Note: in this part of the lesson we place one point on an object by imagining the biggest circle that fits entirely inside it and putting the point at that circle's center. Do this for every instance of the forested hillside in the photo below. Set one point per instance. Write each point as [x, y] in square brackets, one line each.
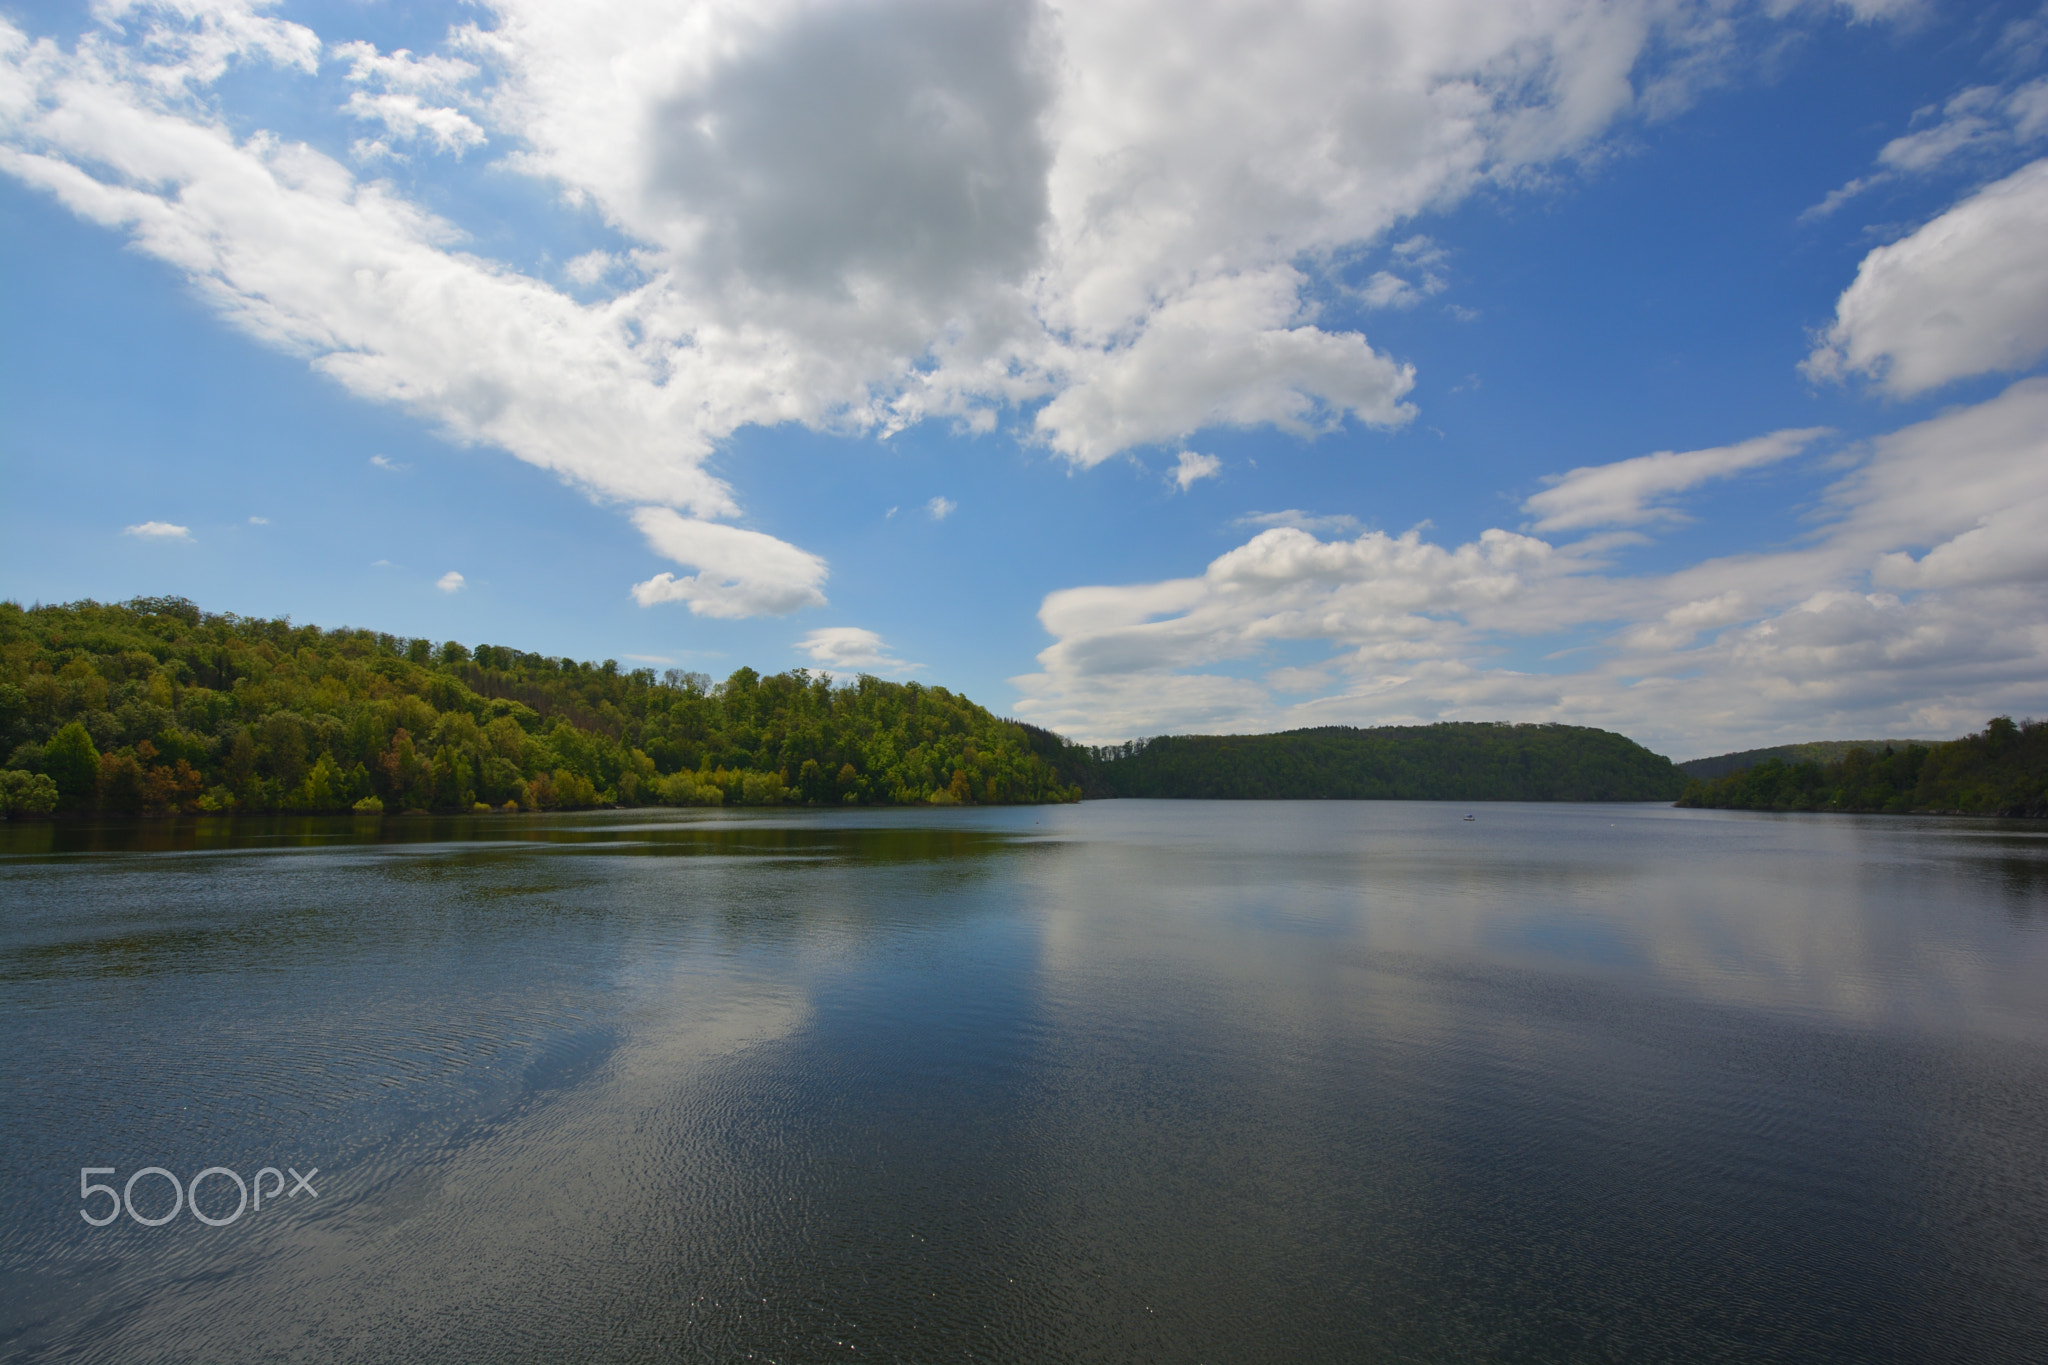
[154, 706]
[1461, 761]
[2001, 771]
[1812, 751]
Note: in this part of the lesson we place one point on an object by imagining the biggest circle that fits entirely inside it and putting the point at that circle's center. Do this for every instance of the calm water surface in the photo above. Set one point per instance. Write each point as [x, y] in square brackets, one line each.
[1132, 1081]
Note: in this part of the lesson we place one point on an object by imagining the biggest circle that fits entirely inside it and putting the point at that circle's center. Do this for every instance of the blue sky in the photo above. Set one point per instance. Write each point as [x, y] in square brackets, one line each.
[1671, 367]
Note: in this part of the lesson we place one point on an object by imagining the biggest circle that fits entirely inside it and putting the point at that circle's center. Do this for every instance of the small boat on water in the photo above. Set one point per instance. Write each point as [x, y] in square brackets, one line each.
[1471, 817]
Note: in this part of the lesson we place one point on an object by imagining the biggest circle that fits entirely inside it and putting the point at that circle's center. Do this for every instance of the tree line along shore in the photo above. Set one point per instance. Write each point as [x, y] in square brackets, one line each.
[2001, 770]
[154, 707]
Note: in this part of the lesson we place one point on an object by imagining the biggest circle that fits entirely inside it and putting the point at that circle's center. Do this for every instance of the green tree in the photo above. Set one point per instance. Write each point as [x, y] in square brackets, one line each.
[72, 761]
[14, 711]
[26, 793]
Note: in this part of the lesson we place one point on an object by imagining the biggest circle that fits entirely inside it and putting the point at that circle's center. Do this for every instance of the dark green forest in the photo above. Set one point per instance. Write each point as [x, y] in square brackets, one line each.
[153, 706]
[2001, 771]
[1812, 751]
[1453, 761]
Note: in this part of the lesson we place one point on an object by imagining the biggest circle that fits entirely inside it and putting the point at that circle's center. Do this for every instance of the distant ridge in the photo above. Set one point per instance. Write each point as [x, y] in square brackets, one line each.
[2003, 770]
[1813, 751]
[1452, 761]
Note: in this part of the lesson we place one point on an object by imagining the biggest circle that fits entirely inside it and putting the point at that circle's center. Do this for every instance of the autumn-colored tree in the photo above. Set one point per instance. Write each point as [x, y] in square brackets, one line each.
[120, 784]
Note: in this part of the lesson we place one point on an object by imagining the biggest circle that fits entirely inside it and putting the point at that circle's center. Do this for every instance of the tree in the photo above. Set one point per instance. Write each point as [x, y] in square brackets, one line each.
[72, 761]
[26, 793]
[120, 783]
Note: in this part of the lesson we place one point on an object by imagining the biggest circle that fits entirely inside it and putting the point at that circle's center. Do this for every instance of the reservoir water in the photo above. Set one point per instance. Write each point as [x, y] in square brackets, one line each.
[1125, 1081]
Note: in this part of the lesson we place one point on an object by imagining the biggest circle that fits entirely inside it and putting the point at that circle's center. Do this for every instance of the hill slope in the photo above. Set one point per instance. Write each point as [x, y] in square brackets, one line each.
[1814, 751]
[152, 705]
[1462, 761]
[2001, 771]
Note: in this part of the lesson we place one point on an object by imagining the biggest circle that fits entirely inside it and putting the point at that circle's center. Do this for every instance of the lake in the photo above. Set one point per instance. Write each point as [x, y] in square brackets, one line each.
[1124, 1081]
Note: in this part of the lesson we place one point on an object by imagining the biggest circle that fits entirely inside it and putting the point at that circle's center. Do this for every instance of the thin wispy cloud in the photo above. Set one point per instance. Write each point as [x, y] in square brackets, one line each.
[1298, 520]
[1969, 131]
[1631, 492]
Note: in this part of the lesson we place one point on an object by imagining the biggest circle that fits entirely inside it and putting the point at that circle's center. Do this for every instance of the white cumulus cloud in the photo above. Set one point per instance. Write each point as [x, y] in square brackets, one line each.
[407, 118]
[450, 582]
[401, 70]
[1967, 294]
[939, 508]
[1190, 468]
[853, 649]
[1227, 352]
[740, 572]
[404, 78]
[288, 245]
[851, 216]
